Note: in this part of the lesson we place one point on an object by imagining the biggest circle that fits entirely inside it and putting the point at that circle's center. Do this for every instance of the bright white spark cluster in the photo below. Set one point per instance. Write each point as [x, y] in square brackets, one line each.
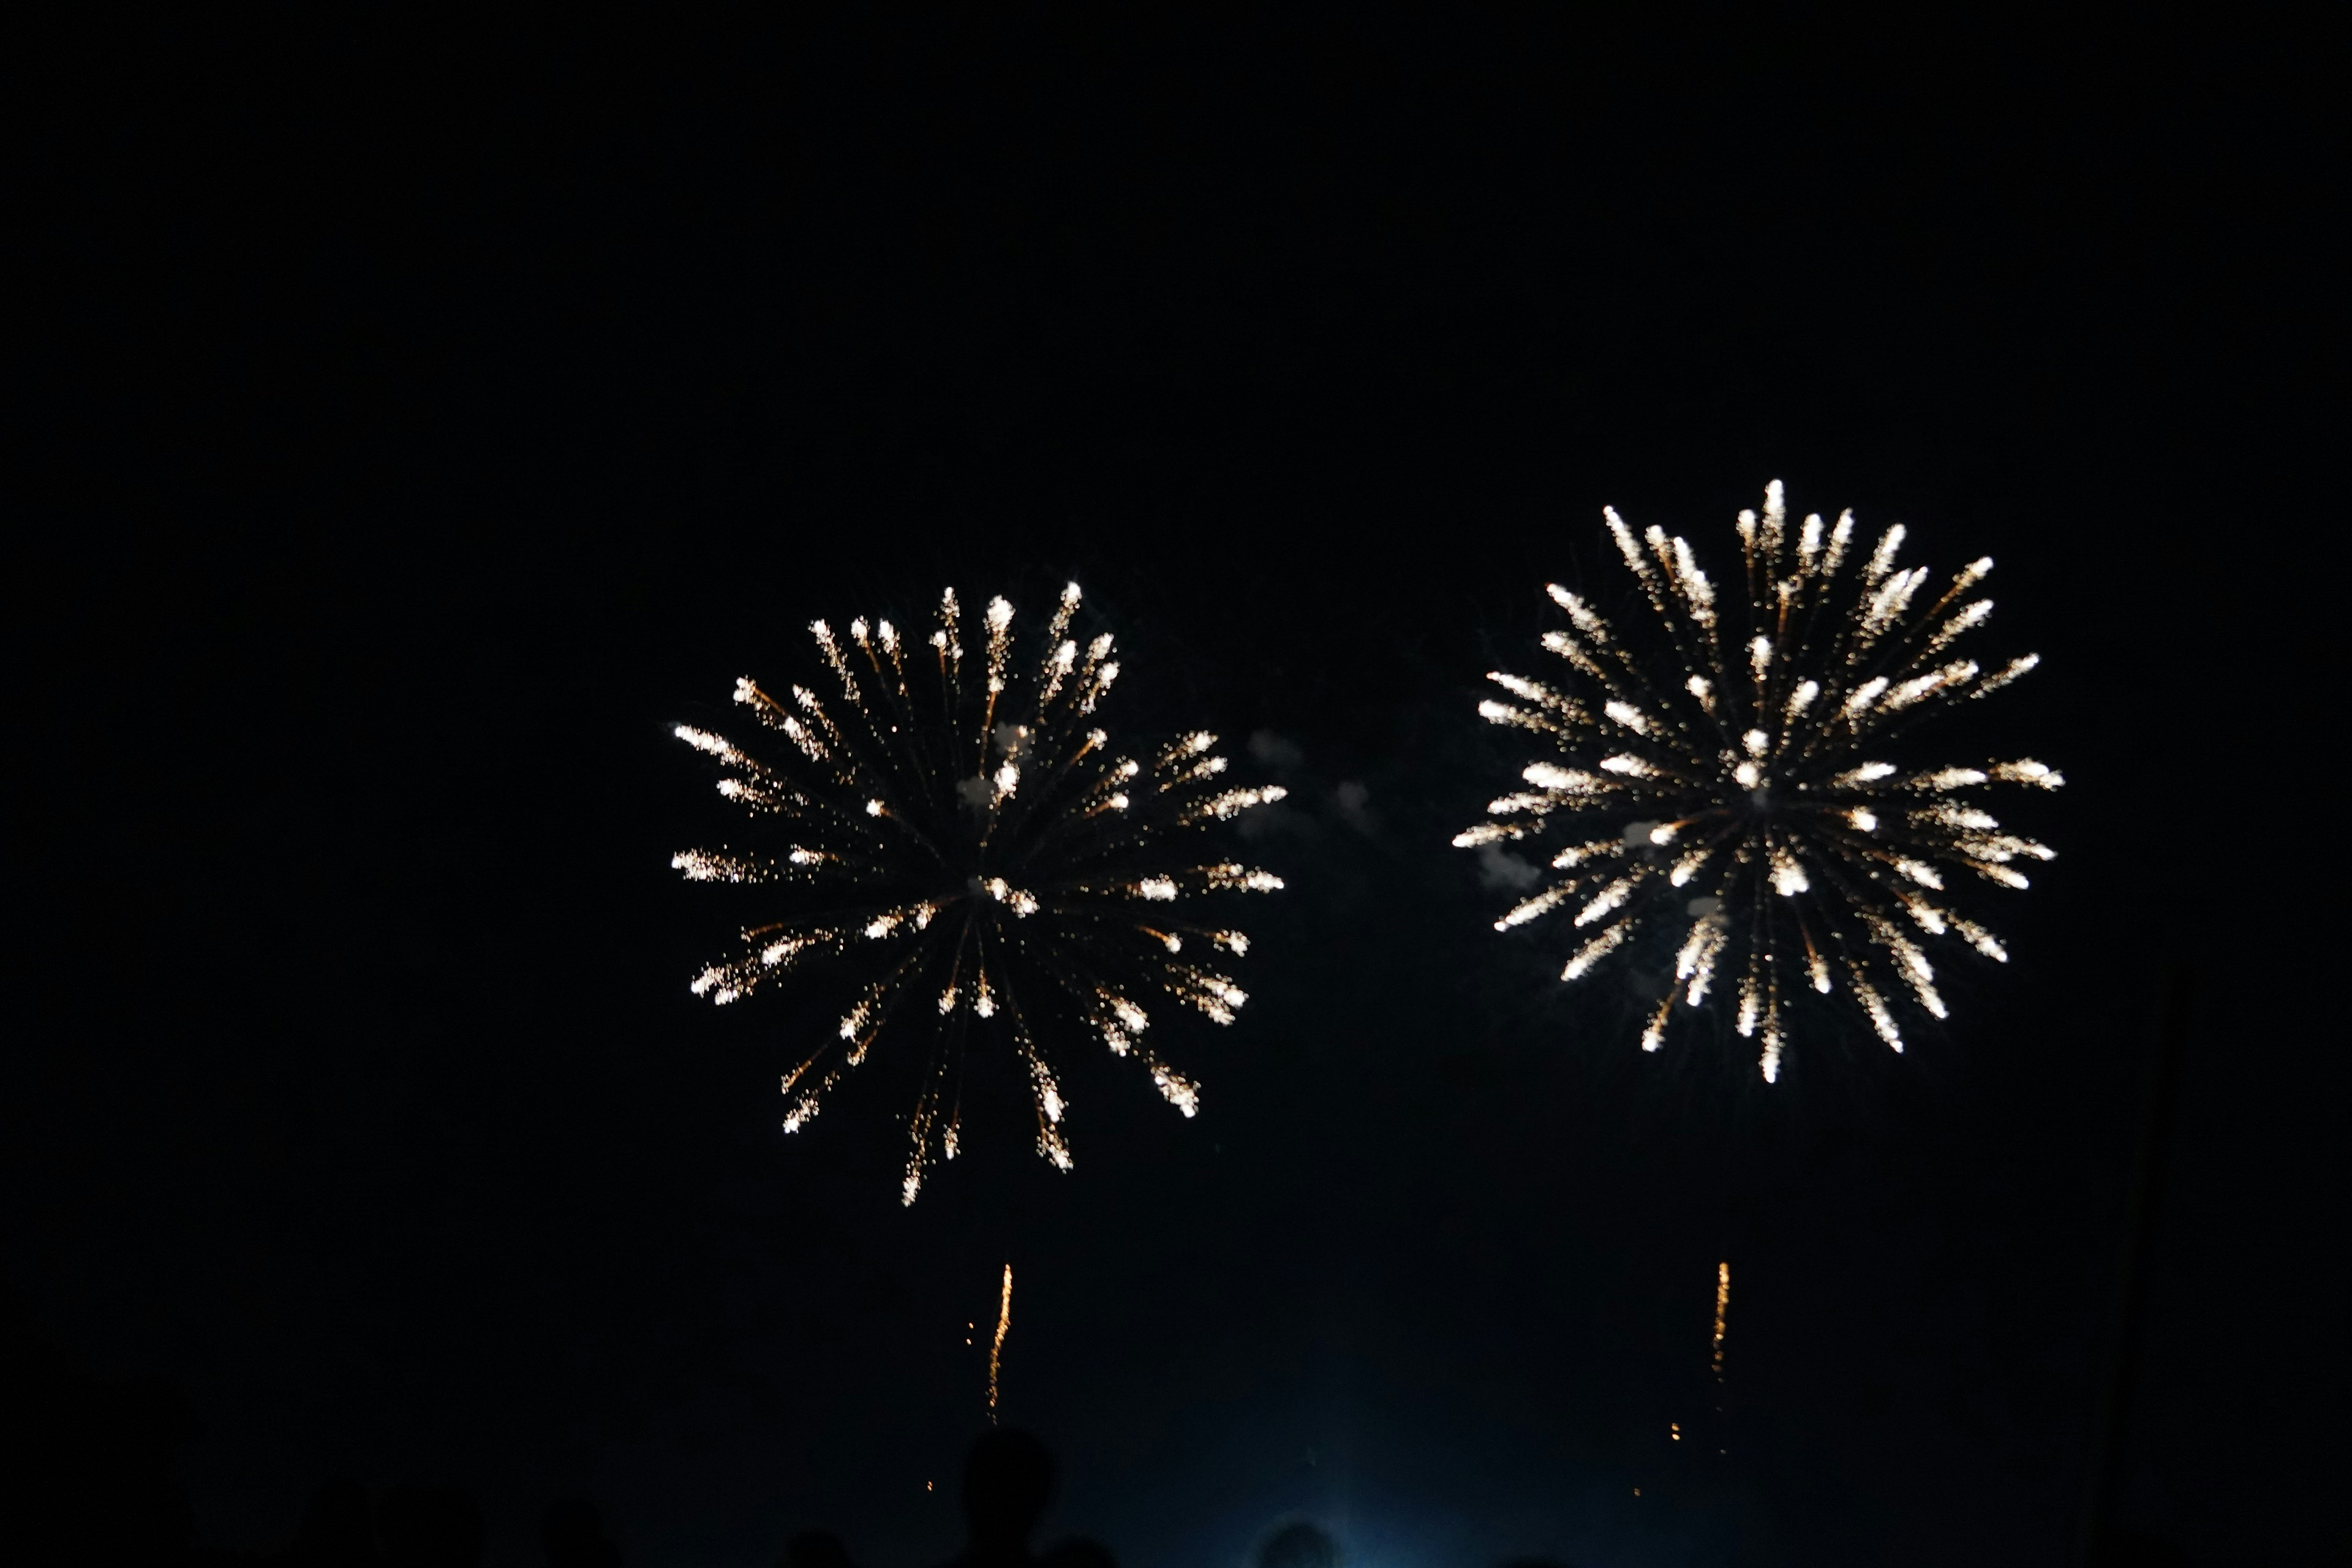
[1730, 797]
[960, 830]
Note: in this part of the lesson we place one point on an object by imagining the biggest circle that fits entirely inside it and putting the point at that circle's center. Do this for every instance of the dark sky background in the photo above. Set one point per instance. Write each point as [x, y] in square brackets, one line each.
[419, 425]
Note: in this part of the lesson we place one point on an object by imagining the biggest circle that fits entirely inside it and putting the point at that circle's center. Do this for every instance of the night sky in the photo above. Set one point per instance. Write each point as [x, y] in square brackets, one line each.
[417, 426]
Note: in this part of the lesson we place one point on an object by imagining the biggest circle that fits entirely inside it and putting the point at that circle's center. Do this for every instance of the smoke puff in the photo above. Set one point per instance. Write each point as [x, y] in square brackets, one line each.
[1500, 870]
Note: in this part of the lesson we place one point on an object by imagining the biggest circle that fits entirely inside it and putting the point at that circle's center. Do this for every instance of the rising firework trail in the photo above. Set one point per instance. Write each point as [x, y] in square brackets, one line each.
[1722, 1309]
[996, 1345]
[962, 839]
[1725, 791]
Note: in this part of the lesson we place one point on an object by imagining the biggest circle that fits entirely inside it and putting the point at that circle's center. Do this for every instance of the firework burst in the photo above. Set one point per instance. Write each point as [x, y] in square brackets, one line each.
[1729, 795]
[963, 834]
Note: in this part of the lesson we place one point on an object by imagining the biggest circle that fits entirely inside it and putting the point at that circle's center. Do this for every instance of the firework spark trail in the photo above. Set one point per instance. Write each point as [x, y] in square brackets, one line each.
[963, 839]
[996, 1345]
[1722, 1308]
[1747, 816]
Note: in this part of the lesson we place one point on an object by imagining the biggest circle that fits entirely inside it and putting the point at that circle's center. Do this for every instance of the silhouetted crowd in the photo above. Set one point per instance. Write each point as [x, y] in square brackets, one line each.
[96, 1488]
[1007, 1481]
[89, 1480]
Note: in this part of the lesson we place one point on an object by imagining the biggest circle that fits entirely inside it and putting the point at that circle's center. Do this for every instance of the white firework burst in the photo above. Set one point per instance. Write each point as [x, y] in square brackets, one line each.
[964, 834]
[1731, 796]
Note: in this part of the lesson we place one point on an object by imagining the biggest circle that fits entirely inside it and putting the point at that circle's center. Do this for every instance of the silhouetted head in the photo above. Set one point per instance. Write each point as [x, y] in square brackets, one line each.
[430, 1527]
[816, 1549]
[1079, 1553]
[1006, 1484]
[573, 1534]
[1298, 1546]
[338, 1525]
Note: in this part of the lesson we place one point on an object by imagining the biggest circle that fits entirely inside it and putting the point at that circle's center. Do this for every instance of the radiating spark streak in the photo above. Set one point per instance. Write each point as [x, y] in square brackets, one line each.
[1239, 877]
[715, 745]
[1610, 898]
[1732, 749]
[703, 866]
[1882, 560]
[1840, 537]
[1696, 961]
[1704, 933]
[996, 1344]
[1984, 941]
[1592, 952]
[1859, 699]
[1655, 1036]
[2038, 774]
[959, 835]
[1817, 968]
[1541, 903]
[1631, 717]
[2006, 674]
